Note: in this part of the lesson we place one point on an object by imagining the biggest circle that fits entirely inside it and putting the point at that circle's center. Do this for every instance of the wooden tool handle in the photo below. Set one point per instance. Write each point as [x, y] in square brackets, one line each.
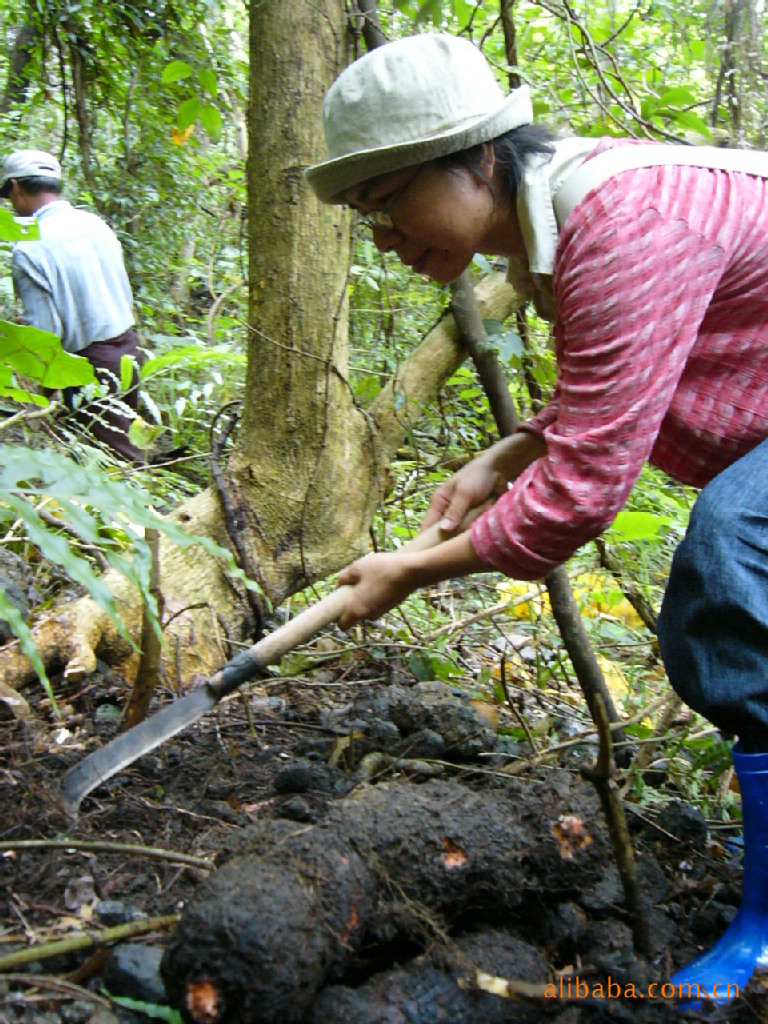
[304, 626]
[301, 628]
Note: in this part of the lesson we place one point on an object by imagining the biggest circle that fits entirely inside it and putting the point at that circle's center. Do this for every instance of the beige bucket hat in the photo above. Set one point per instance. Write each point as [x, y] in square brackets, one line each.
[407, 102]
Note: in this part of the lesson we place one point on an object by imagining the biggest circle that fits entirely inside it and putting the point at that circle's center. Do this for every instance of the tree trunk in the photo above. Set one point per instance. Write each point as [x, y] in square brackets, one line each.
[19, 75]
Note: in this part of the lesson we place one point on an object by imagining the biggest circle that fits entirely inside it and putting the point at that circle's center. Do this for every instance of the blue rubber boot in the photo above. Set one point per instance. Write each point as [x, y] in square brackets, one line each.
[722, 973]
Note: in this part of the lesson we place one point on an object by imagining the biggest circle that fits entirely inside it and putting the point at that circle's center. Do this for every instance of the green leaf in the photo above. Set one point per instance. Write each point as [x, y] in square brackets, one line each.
[19, 395]
[697, 48]
[635, 526]
[153, 1010]
[691, 122]
[209, 81]
[21, 631]
[188, 113]
[126, 372]
[38, 355]
[678, 97]
[142, 434]
[17, 229]
[427, 667]
[67, 370]
[175, 72]
[210, 118]
[648, 106]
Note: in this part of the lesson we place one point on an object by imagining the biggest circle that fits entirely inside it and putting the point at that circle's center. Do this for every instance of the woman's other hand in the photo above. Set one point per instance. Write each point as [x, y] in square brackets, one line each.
[481, 481]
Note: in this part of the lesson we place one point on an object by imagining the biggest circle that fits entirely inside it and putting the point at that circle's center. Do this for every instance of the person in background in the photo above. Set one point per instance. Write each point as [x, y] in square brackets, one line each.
[657, 281]
[73, 283]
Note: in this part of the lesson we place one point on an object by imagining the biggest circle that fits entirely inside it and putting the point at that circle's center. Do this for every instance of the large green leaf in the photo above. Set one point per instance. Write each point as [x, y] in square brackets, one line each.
[14, 229]
[176, 71]
[209, 81]
[188, 112]
[38, 356]
[210, 118]
[635, 526]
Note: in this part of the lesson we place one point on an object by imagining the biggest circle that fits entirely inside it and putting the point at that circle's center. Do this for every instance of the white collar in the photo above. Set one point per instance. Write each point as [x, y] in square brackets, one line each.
[541, 180]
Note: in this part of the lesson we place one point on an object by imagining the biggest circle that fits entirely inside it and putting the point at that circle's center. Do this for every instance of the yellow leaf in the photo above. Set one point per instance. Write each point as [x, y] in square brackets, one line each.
[615, 679]
[595, 593]
[598, 594]
[487, 711]
[181, 137]
[536, 603]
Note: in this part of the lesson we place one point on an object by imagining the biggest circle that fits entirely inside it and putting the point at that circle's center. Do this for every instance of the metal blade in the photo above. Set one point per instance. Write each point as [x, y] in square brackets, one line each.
[89, 773]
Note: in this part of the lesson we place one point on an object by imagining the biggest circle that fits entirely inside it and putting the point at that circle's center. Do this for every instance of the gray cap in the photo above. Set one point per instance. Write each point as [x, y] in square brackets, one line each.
[30, 163]
[407, 102]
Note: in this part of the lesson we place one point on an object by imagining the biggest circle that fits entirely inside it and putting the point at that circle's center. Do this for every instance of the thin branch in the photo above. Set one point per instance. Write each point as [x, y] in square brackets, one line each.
[54, 984]
[105, 846]
[87, 940]
[603, 776]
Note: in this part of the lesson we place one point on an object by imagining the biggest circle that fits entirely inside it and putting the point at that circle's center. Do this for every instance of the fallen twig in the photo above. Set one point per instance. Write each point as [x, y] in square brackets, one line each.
[86, 940]
[48, 981]
[106, 846]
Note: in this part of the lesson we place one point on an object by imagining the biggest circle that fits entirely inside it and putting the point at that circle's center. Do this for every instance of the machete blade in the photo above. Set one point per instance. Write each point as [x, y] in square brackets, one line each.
[89, 773]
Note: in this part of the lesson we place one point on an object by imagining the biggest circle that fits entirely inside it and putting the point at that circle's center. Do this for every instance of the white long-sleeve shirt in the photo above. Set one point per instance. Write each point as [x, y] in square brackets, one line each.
[72, 281]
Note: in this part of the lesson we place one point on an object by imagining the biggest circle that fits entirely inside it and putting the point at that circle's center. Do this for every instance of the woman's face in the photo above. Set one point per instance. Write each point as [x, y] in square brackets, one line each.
[434, 218]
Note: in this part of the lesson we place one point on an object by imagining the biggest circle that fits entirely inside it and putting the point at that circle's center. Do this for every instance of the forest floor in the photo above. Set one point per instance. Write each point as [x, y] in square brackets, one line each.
[295, 750]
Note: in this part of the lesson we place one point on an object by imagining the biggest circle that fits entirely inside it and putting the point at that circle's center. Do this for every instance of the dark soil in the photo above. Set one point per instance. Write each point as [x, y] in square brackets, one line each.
[318, 763]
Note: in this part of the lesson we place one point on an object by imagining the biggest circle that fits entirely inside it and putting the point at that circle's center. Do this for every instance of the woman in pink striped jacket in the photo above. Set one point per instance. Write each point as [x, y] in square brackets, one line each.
[657, 281]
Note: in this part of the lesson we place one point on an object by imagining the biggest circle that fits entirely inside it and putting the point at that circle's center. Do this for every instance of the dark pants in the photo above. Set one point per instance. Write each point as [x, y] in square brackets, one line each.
[108, 419]
[713, 626]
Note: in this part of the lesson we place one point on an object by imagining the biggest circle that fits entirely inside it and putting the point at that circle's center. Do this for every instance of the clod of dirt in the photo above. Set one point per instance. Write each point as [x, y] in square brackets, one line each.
[133, 970]
[264, 932]
[426, 720]
[281, 919]
[683, 825]
[438, 989]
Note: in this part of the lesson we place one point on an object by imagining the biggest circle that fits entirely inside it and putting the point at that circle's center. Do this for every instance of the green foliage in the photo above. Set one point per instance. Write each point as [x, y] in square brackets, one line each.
[152, 1010]
[37, 356]
[12, 616]
[101, 512]
[427, 666]
[17, 229]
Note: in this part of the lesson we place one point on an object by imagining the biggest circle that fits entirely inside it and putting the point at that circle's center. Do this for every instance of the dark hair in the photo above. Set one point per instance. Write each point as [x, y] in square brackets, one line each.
[34, 185]
[510, 151]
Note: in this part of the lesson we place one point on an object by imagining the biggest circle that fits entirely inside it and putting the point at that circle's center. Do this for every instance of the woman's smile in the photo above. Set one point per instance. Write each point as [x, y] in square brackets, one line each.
[434, 218]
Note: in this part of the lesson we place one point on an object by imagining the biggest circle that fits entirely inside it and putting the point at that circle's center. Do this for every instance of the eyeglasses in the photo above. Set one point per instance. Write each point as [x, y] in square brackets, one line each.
[377, 219]
[382, 218]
